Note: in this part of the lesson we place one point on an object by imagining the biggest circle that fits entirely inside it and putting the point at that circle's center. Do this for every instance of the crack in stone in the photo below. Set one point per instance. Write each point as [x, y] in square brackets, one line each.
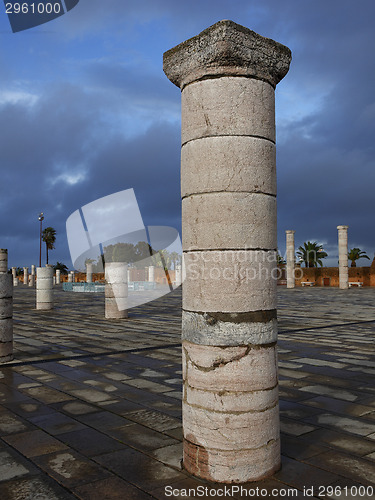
[219, 450]
[234, 412]
[220, 362]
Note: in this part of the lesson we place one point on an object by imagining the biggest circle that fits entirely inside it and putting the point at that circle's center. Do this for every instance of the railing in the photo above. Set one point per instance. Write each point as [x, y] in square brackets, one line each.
[133, 286]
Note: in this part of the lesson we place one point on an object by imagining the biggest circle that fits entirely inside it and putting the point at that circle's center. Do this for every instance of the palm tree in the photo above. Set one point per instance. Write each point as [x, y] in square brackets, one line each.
[175, 259]
[355, 254]
[61, 267]
[311, 254]
[49, 238]
[280, 259]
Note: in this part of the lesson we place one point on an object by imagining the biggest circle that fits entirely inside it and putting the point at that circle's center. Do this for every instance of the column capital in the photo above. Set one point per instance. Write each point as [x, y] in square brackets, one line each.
[290, 231]
[342, 228]
[227, 49]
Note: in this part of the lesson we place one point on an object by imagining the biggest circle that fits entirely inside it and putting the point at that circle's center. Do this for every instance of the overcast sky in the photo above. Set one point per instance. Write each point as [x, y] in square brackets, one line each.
[86, 111]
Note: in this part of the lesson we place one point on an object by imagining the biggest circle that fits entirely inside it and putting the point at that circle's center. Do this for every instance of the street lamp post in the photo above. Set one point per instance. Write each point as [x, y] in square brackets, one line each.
[40, 218]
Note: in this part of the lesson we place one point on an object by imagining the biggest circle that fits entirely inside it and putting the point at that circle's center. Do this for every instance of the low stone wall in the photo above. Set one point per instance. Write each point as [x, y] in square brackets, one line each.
[329, 276]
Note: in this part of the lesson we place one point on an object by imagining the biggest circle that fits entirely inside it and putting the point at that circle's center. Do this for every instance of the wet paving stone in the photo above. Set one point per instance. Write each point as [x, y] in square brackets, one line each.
[12, 424]
[350, 425]
[70, 469]
[47, 395]
[346, 465]
[332, 404]
[154, 420]
[112, 488]
[301, 475]
[34, 443]
[141, 438]
[76, 408]
[355, 445]
[90, 442]
[12, 467]
[103, 420]
[57, 423]
[38, 488]
[139, 469]
[86, 384]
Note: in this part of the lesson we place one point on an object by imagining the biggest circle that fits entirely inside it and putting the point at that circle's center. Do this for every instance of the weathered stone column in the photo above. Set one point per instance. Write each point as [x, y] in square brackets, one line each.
[343, 257]
[26, 276]
[14, 272]
[89, 272]
[31, 280]
[116, 290]
[33, 268]
[4, 261]
[228, 75]
[58, 276]
[151, 274]
[15, 281]
[44, 288]
[6, 309]
[70, 277]
[178, 277]
[290, 259]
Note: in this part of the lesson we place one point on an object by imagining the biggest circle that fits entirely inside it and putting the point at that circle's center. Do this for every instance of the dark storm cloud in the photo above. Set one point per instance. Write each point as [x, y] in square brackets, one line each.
[68, 158]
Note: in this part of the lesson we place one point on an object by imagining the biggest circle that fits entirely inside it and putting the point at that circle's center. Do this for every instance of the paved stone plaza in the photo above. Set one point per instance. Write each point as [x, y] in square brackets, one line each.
[91, 408]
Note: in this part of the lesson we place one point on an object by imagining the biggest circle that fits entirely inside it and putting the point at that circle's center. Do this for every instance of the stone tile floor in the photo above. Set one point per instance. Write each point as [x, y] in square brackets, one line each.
[90, 408]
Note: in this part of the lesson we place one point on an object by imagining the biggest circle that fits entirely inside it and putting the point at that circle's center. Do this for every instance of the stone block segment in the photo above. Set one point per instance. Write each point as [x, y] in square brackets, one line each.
[252, 163]
[227, 75]
[220, 107]
[4, 260]
[6, 308]
[6, 317]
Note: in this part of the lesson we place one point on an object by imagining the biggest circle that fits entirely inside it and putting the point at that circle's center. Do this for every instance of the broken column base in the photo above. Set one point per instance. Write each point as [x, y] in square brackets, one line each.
[231, 412]
[240, 466]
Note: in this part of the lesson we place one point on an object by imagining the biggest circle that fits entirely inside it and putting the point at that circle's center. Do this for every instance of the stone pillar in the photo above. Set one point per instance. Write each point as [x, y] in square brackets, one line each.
[89, 272]
[4, 261]
[70, 277]
[290, 260]
[178, 277]
[58, 276]
[15, 281]
[6, 309]
[116, 290]
[33, 270]
[31, 280]
[44, 288]
[26, 276]
[151, 274]
[228, 75]
[14, 272]
[343, 257]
